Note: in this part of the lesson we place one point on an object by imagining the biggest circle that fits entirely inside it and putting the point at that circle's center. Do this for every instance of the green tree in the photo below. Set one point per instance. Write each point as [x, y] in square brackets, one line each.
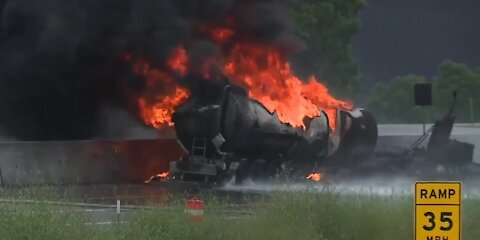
[457, 77]
[394, 101]
[328, 27]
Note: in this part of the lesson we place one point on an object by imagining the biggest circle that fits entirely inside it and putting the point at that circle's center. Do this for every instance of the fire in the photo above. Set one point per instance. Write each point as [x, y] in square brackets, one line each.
[316, 177]
[157, 110]
[218, 34]
[221, 35]
[178, 61]
[270, 80]
[163, 175]
[263, 70]
[159, 113]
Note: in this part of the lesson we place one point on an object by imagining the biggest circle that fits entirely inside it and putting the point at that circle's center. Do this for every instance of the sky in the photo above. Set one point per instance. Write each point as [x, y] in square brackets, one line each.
[400, 37]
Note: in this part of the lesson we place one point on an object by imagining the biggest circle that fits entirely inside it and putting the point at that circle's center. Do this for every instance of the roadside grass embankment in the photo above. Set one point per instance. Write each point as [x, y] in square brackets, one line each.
[283, 215]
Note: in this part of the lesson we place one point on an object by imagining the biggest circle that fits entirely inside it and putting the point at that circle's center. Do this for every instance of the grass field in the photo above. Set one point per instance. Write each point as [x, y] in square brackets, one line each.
[284, 215]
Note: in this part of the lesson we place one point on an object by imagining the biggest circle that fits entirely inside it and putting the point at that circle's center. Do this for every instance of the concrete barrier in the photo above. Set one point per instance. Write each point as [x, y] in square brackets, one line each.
[85, 162]
[133, 161]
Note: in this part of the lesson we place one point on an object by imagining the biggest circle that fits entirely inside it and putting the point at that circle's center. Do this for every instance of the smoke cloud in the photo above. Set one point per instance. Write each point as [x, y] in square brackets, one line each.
[61, 61]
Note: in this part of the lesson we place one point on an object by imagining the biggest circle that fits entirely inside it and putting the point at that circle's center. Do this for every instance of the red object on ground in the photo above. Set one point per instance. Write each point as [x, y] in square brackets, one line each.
[195, 207]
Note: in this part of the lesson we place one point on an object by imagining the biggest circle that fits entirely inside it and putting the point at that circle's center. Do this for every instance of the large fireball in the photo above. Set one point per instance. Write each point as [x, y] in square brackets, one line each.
[261, 69]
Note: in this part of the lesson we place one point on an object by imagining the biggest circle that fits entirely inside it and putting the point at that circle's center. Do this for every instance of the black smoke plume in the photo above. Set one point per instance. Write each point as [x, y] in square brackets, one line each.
[60, 61]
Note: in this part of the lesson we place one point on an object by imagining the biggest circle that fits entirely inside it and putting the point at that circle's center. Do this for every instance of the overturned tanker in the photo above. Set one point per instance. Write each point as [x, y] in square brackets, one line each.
[230, 135]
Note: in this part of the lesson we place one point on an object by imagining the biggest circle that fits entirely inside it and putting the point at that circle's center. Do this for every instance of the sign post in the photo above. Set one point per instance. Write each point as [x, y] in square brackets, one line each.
[472, 119]
[438, 210]
[423, 97]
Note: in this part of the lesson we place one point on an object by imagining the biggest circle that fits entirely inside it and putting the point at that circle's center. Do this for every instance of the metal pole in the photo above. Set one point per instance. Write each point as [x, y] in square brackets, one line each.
[424, 120]
[472, 119]
[118, 211]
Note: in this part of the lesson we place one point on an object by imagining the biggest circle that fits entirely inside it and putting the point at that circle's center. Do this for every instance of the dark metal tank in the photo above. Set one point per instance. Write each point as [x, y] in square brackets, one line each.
[249, 130]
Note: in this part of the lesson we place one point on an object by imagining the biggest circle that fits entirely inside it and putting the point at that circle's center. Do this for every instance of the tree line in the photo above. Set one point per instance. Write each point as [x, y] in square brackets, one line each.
[328, 27]
[393, 102]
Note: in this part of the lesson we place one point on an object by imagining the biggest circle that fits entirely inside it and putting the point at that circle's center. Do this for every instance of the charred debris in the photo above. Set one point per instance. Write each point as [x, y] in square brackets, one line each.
[439, 158]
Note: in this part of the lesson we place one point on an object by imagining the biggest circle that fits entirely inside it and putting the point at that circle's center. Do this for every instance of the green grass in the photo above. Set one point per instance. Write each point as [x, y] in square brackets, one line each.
[37, 221]
[284, 215]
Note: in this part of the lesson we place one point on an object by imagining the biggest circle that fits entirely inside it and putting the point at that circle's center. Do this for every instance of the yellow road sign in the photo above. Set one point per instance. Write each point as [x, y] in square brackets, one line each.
[438, 210]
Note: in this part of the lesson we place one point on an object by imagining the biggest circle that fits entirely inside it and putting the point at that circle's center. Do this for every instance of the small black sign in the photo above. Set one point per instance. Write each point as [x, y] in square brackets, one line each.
[423, 94]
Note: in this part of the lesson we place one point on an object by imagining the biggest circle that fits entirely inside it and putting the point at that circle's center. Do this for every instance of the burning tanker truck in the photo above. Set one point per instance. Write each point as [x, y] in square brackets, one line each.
[231, 136]
[236, 104]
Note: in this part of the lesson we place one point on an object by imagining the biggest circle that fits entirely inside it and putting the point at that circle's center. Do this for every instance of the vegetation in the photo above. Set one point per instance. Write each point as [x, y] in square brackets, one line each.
[328, 27]
[286, 215]
[394, 102]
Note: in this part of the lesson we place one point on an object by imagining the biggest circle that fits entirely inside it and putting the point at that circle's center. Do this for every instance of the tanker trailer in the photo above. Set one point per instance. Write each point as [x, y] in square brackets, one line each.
[355, 138]
[228, 134]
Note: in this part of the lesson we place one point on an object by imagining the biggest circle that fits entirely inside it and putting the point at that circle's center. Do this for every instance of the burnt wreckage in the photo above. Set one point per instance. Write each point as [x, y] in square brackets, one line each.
[230, 135]
[440, 157]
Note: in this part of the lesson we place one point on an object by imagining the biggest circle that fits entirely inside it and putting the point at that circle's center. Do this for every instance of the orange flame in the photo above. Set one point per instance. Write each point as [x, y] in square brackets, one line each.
[178, 61]
[316, 177]
[269, 79]
[262, 70]
[221, 35]
[163, 175]
[157, 111]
